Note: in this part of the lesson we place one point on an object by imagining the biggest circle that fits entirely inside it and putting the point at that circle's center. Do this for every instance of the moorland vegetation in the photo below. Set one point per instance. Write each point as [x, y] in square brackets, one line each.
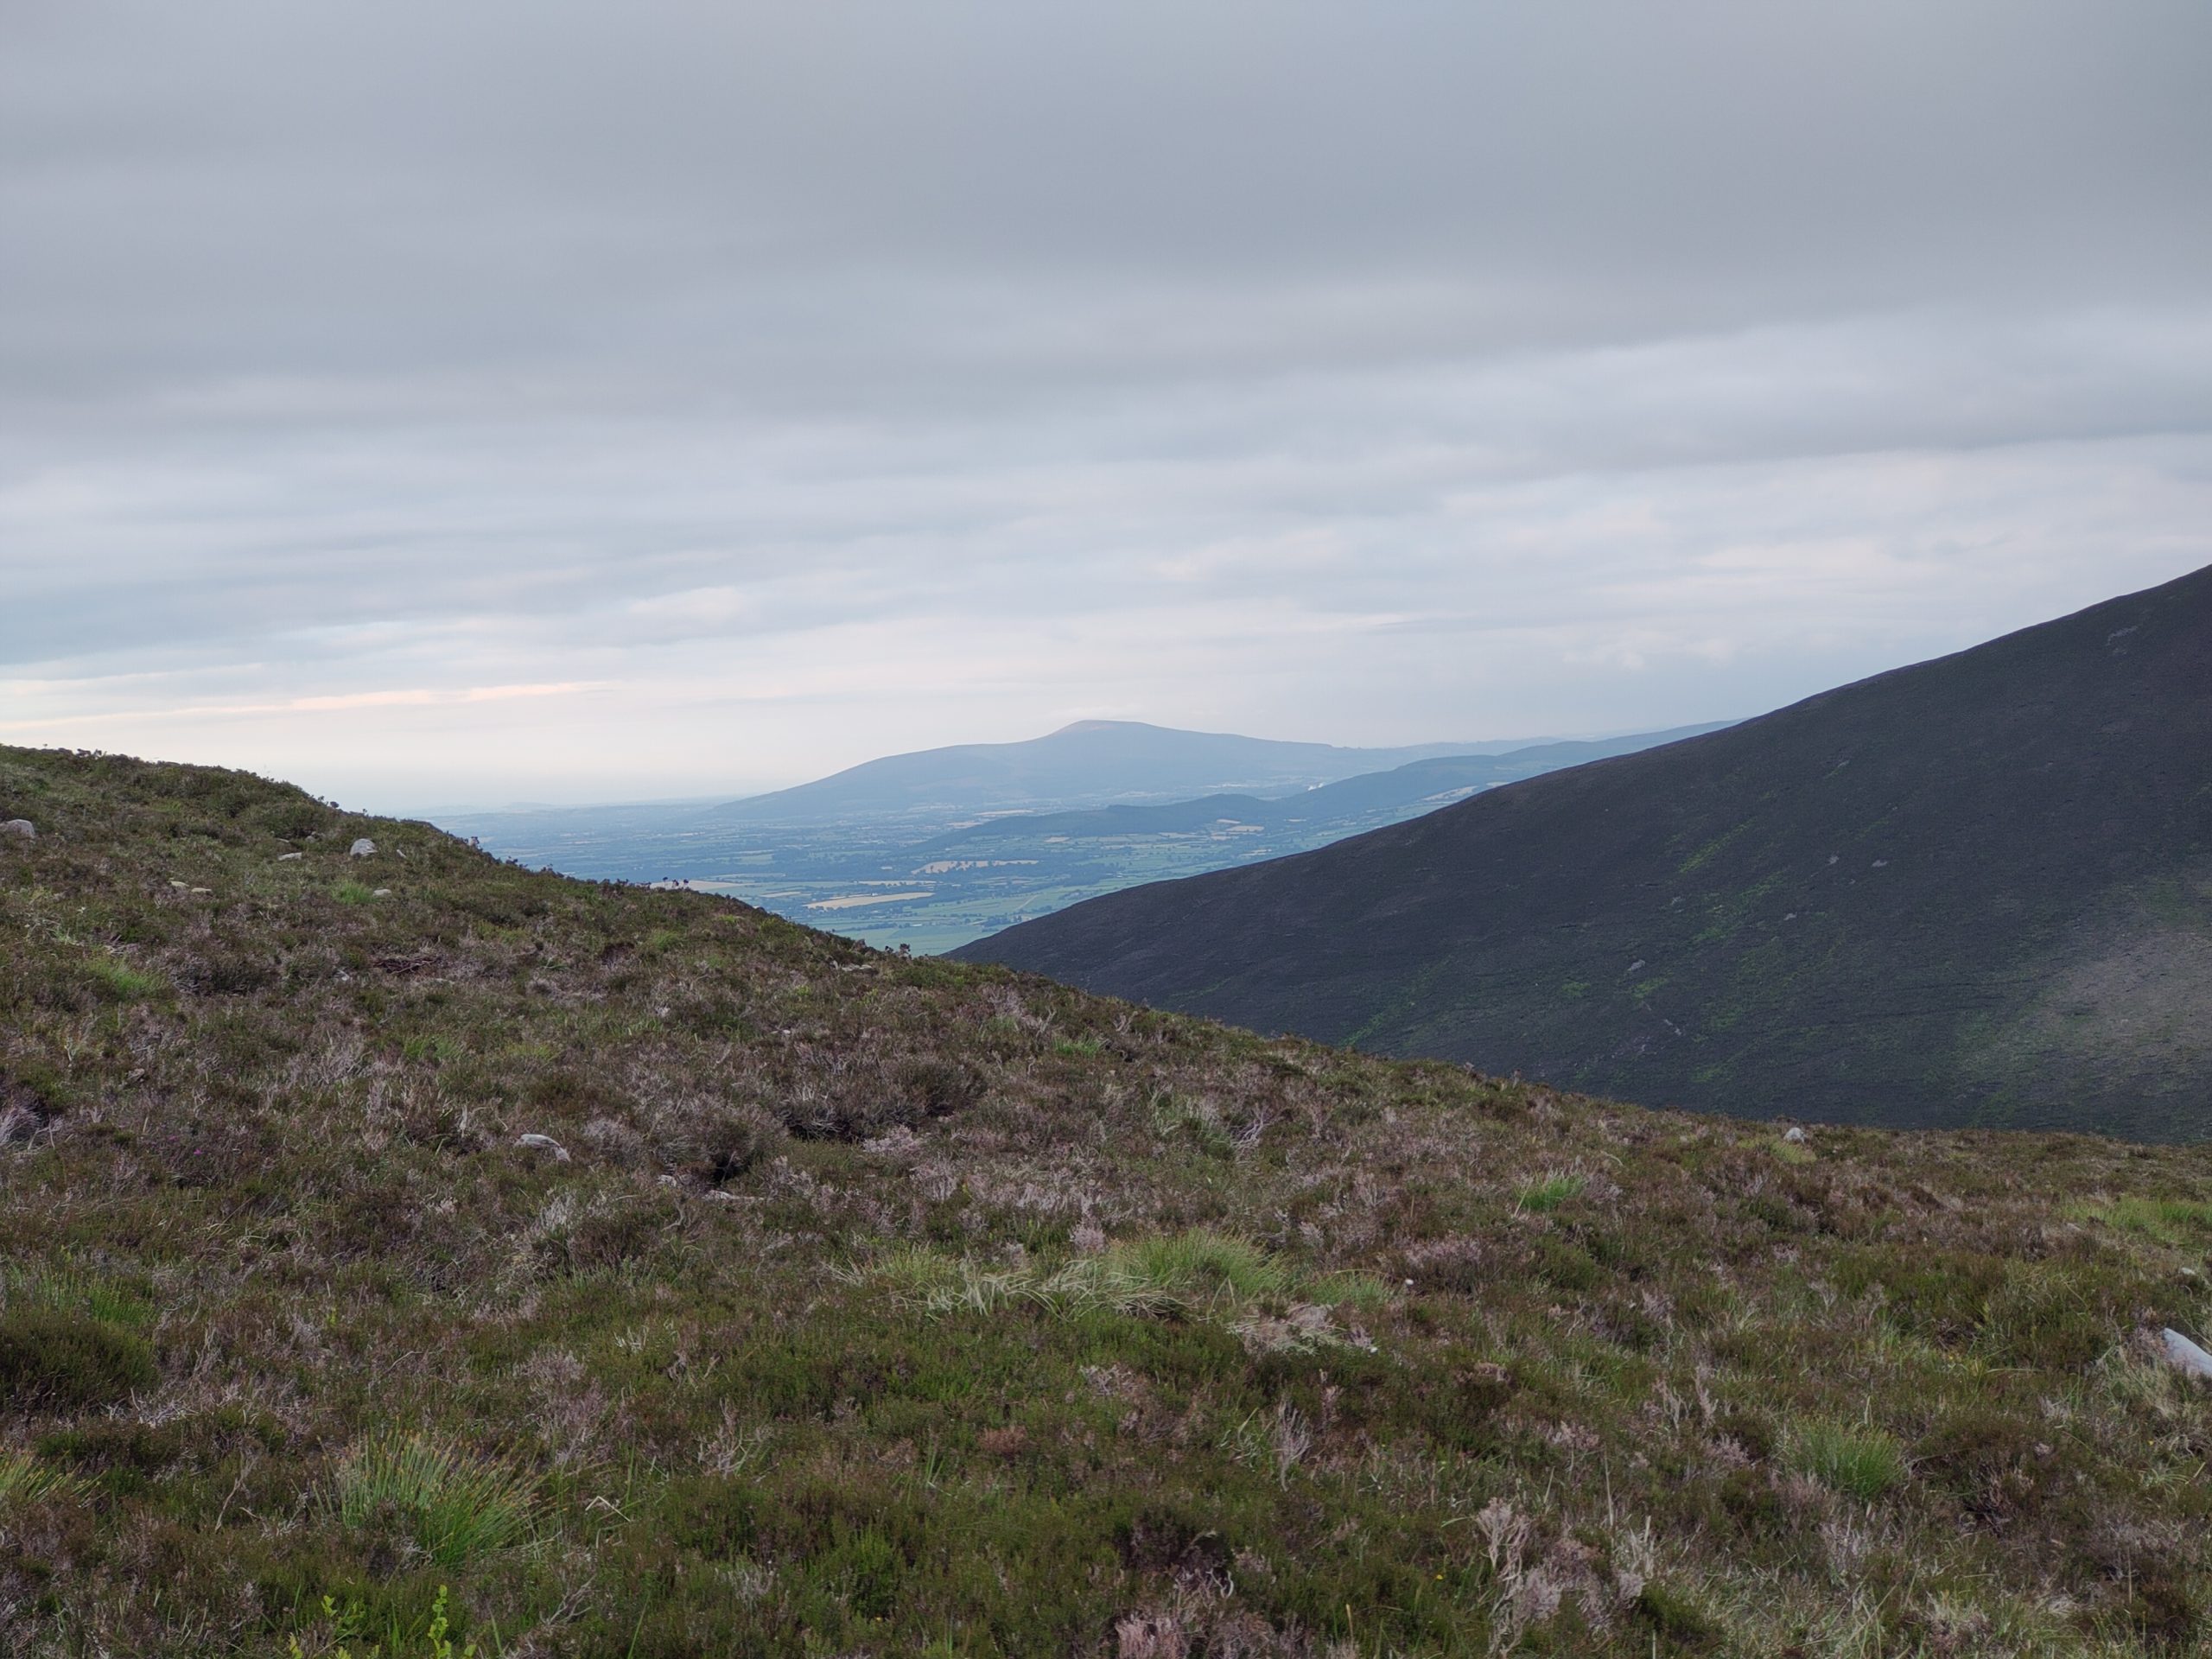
[410, 1251]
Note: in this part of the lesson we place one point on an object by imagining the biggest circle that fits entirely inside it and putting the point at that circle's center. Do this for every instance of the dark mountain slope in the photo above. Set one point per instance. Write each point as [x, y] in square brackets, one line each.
[1978, 890]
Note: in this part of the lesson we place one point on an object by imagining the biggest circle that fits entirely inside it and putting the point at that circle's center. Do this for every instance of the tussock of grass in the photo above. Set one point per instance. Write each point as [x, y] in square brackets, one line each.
[1546, 1195]
[123, 981]
[24, 1479]
[1197, 1272]
[456, 1508]
[1854, 1459]
[2178, 1223]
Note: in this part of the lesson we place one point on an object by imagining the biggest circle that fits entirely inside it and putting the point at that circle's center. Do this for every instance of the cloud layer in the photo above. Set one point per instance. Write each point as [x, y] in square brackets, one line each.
[451, 404]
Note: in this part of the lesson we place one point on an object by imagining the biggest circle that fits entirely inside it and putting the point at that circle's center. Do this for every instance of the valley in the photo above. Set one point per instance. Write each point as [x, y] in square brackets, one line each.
[933, 865]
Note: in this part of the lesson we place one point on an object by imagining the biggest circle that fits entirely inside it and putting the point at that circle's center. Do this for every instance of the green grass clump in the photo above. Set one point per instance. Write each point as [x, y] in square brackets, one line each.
[457, 1508]
[1197, 1267]
[1552, 1191]
[1197, 1272]
[123, 981]
[24, 1479]
[2178, 1223]
[355, 893]
[1857, 1460]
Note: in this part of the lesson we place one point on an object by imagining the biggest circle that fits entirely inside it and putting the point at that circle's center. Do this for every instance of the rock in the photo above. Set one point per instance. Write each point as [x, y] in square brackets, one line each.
[2185, 1355]
[286, 858]
[1794, 1135]
[23, 828]
[381, 893]
[546, 1143]
[363, 848]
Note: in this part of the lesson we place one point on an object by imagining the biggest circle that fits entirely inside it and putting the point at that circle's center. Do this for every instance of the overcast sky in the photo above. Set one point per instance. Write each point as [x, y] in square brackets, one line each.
[460, 404]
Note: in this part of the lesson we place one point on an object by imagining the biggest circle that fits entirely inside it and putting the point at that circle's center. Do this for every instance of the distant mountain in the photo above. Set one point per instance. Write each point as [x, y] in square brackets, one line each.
[1088, 764]
[1975, 890]
[1400, 789]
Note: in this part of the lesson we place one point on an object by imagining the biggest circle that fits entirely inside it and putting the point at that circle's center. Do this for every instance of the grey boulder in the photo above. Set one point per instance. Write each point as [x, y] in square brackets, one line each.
[2185, 1355]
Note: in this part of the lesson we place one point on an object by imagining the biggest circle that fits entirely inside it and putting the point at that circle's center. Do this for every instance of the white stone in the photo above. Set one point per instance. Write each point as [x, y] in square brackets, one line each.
[546, 1143]
[286, 858]
[20, 827]
[1795, 1136]
[363, 848]
[2186, 1354]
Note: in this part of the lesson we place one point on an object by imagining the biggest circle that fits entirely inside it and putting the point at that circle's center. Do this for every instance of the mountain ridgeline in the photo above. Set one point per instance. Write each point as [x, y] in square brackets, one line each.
[1973, 891]
[1090, 762]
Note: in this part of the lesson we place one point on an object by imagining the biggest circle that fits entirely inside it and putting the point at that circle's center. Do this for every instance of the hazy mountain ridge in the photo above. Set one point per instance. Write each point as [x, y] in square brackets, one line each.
[1092, 761]
[922, 850]
[1934, 896]
[1417, 783]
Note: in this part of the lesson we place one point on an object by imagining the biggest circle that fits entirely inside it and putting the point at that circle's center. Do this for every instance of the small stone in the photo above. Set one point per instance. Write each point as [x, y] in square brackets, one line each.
[363, 848]
[203, 892]
[381, 893]
[286, 858]
[1795, 1136]
[545, 1143]
[23, 828]
[180, 887]
[2185, 1355]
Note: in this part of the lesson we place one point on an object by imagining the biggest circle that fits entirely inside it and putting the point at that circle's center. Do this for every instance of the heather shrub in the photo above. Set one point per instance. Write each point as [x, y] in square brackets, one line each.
[54, 1360]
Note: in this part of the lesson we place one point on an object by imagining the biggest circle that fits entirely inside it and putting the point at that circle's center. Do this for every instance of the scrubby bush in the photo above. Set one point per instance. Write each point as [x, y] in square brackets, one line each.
[52, 1360]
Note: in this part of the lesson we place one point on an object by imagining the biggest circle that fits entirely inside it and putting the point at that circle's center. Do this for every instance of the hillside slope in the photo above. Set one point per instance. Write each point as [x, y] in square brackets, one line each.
[632, 1274]
[1975, 890]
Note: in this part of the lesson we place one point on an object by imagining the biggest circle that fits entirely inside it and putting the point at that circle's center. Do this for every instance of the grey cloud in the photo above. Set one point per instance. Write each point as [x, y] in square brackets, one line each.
[348, 346]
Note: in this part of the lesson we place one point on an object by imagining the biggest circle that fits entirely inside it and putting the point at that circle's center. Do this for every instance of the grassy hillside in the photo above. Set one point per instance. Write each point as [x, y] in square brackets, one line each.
[1976, 891]
[868, 1305]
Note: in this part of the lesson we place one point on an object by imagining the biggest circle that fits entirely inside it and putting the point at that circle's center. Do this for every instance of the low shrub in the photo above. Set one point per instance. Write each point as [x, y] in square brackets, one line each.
[54, 1360]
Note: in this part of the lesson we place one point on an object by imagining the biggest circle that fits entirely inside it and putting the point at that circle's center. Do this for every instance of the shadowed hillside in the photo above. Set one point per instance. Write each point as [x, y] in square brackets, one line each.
[1975, 890]
[610, 1274]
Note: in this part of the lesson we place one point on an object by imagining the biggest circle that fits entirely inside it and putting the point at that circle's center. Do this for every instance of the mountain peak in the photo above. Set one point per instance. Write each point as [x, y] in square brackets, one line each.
[1977, 889]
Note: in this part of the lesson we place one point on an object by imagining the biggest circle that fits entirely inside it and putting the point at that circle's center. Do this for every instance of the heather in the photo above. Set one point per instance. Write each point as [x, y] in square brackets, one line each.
[855, 1303]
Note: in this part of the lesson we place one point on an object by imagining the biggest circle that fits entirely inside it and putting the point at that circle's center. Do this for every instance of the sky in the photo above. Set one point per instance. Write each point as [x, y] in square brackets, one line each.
[455, 405]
